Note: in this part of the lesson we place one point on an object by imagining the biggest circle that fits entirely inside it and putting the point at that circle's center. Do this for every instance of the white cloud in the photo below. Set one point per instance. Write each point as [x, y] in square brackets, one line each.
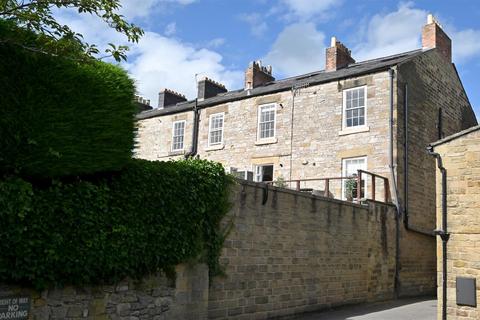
[400, 31]
[164, 62]
[170, 29]
[215, 43]
[143, 8]
[465, 44]
[395, 32]
[257, 23]
[298, 49]
[307, 8]
[158, 61]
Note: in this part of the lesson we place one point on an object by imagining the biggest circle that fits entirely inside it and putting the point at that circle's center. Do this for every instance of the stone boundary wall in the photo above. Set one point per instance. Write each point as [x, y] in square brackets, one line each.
[155, 297]
[287, 253]
[298, 253]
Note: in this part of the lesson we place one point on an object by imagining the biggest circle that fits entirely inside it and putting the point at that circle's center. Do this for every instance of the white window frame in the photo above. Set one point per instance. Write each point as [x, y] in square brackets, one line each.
[364, 178]
[259, 115]
[173, 135]
[210, 128]
[344, 108]
[257, 167]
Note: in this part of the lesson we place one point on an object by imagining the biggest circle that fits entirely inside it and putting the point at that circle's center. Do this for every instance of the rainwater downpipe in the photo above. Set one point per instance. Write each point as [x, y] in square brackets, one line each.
[443, 233]
[294, 92]
[391, 165]
[391, 73]
[196, 119]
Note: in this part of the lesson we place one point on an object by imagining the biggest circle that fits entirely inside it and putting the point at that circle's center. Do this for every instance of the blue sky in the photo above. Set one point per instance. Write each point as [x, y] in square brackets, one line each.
[218, 38]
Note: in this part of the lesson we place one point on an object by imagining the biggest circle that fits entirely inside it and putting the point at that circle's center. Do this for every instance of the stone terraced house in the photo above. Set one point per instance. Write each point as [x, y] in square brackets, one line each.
[377, 115]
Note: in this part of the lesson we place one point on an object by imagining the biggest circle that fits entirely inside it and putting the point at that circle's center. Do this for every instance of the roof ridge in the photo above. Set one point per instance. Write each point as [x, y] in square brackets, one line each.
[359, 63]
[314, 78]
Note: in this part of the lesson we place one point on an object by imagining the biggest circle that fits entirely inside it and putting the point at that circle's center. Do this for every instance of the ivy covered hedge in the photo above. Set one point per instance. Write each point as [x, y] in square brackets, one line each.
[148, 217]
[60, 116]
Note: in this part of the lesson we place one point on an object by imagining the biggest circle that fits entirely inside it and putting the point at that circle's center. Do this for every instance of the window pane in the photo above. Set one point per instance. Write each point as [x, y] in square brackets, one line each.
[178, 135]
[361, 121]
[266, 125]
[267, 173]
[216, 129]
[355, 107]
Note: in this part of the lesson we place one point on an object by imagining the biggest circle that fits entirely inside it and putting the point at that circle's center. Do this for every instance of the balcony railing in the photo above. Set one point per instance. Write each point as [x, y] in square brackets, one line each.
[335, 187]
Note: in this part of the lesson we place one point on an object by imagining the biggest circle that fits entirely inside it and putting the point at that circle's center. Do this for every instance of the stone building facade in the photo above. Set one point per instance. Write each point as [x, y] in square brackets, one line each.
[460, 155]
[375, 115]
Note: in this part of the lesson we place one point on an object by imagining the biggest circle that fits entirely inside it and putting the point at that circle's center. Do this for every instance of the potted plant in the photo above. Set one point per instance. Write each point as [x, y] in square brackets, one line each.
[280, 182]
[350, 186]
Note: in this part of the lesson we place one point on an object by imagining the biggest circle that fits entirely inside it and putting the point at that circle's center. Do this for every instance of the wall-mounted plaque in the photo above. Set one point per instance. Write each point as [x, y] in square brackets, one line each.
[14, 307]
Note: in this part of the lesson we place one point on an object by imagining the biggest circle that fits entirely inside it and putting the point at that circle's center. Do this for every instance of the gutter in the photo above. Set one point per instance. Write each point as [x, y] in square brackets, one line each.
[442, 233]
[196, 119]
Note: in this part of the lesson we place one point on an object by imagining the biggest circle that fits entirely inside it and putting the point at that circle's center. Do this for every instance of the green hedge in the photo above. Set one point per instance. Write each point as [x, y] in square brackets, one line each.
[148, 217]
[61, 117]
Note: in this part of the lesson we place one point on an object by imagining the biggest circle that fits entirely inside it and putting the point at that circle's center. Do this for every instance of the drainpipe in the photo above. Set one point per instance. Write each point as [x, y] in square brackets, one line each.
[294, 92]
[442, 233]
[405, 175]
[391, 73]
[196, 119]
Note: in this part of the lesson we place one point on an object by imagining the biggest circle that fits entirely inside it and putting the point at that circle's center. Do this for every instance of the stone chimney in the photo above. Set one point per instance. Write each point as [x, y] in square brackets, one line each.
[208, 88]
[338, 56]
[433, 36]
[142, 104]
[168, 98]
[257, 75]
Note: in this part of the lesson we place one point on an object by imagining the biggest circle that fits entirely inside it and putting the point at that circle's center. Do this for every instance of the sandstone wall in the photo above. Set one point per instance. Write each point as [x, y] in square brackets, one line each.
[461, 158]
[155, 297]
[299, 253]
[432, 84]
[319, 143]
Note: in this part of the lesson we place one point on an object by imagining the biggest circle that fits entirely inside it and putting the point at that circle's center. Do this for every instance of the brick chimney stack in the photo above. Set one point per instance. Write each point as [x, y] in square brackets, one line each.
[433, 36]
[338, 56]
[257, 75]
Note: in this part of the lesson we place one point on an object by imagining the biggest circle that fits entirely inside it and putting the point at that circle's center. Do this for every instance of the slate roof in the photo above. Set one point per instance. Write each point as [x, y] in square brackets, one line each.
[313, 78]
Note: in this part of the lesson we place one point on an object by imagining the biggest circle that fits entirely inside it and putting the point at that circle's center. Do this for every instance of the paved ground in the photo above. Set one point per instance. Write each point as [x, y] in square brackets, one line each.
[405, 309]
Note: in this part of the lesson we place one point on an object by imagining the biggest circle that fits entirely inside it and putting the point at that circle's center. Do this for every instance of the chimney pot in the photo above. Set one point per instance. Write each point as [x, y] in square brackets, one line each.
[333, 42]
[430, 18]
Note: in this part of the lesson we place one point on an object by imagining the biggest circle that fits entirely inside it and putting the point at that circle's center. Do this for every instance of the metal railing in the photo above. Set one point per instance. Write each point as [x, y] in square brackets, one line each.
[369, 189]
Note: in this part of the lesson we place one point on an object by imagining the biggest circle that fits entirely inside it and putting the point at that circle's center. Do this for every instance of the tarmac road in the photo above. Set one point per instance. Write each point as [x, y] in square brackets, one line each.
[403, 309]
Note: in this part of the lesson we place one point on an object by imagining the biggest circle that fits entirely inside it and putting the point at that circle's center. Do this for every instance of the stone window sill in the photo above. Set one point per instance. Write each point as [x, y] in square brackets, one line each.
[353, 130]
[176, 153]
[266, 141]
[215, 147]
